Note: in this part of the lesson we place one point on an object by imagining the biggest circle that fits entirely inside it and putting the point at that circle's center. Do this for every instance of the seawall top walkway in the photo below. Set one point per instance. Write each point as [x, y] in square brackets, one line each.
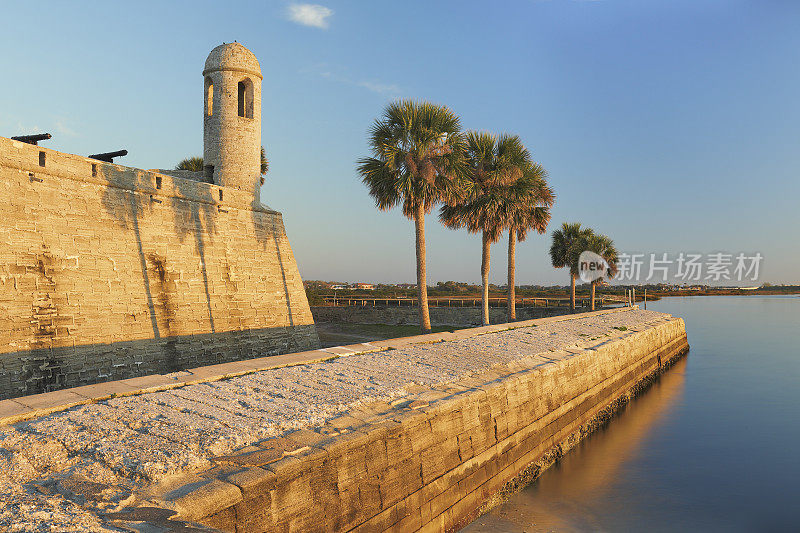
[67, 468]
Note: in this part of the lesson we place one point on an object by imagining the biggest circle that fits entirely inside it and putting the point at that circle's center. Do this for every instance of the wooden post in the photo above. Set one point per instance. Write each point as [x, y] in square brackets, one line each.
[645, 299]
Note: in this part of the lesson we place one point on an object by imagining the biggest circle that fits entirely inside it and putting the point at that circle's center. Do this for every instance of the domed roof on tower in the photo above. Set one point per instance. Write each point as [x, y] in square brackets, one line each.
[232, 56]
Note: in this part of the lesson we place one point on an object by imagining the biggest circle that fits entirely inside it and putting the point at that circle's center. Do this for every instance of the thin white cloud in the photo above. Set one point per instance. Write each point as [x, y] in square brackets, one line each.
[56, 126]
[63, 129]
[380, 88]
[375, 86]
[313, 15]
[26, 129]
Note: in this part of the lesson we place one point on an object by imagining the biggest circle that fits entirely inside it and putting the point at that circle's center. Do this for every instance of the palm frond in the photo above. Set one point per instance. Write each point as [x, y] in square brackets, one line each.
[193, 164]
[417, 157]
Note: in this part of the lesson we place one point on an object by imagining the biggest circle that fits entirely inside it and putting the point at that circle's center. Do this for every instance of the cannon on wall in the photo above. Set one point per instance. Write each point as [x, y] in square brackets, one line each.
[108, 157]
[33, 139]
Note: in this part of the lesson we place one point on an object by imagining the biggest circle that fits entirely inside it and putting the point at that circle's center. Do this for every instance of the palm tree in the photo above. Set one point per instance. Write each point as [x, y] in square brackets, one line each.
[497, 165]
[564, 252]
[193, 164]
[603, 246]
[418, 161]
[264, 164]
[530, 212]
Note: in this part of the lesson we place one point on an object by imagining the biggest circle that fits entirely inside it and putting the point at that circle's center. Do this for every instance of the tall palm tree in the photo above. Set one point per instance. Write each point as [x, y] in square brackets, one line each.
[497, 166]
[603, 246]
[417, 161]
[564, 252]
[529, 211]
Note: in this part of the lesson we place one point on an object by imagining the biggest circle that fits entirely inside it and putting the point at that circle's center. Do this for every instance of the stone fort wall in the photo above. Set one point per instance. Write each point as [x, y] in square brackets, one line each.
[109, 272]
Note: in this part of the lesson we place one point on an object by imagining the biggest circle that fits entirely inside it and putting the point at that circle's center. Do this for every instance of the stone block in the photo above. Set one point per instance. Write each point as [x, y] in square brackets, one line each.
[306, 437]
[443, 501]
[253, 481]
[439, 458]
[50, 401]
[104, 390]
[258, 457]
[338, 350]
[380, 522]
[153, 382]
[373, 413]
[224, 520]
[207, 500]
[11, 412]
[363, 347]
[400, 480]
[370, 497]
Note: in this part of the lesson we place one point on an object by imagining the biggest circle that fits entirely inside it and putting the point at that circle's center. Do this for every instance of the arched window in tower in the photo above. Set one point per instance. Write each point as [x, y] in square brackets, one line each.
[246, 98]
[209, 97]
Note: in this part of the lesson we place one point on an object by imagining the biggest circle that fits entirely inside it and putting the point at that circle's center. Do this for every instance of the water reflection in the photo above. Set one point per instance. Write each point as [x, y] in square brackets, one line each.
[567, 496]
[711, 447]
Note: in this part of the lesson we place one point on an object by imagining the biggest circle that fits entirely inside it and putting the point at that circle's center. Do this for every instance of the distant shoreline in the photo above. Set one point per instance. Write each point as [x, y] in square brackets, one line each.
[317, 294]
[724, 292]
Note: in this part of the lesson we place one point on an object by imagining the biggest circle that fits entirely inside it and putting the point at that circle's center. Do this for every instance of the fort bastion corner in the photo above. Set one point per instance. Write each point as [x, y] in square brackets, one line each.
[109, 272]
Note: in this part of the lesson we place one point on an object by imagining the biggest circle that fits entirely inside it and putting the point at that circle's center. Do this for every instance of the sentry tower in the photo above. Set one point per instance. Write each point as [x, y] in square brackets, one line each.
[232, 118]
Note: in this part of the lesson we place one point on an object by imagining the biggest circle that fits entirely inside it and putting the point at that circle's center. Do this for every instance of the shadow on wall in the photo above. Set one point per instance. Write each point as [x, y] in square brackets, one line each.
[127, 207]
[269, 227]
[128, 359]
[202, 229]
[51, 360]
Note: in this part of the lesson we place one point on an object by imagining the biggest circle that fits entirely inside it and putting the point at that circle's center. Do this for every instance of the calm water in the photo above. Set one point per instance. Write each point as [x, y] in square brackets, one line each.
[714, 445]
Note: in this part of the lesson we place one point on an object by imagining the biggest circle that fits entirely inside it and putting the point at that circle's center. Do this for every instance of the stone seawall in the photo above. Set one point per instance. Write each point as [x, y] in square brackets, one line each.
[433, 465]
[109, 272]
[409, 434]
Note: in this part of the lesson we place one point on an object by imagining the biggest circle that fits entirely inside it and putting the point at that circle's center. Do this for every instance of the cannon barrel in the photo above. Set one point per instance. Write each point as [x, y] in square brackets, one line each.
[108, 157]
[33, 139]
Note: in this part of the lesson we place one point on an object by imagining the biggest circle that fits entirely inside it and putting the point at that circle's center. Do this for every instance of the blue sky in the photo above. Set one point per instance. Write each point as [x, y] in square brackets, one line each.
[670, 125]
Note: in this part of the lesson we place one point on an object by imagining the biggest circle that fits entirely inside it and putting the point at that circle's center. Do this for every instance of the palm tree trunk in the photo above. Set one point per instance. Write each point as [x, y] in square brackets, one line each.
[422, 282]
[593, 286]
[512, 257]
[572, 292]
[485, 280]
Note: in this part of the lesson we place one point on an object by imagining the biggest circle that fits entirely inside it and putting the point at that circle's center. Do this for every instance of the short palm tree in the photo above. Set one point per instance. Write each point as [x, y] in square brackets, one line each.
[193, 164]
[530, 211]
[417, 161]
[603, 246]
[264, 164]
[564, 252]
[497, 166]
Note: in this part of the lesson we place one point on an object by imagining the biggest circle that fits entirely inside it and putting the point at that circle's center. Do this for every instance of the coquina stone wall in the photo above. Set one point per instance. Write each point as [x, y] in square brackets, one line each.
[109, 272]
[435, 462]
